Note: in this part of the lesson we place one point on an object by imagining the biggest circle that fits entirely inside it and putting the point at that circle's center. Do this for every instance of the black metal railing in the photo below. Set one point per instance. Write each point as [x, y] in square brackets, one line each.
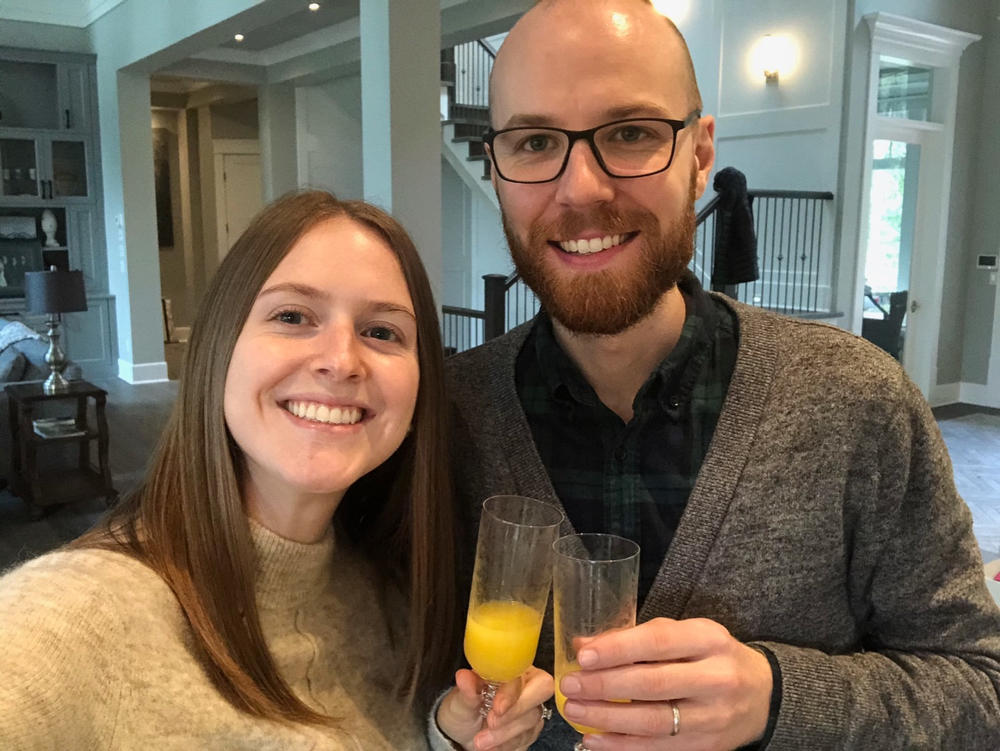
[462, 328]
[473, 63]
[795, 274]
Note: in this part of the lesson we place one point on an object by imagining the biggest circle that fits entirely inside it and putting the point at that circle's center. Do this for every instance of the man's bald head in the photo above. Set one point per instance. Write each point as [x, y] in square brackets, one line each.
[551, 15]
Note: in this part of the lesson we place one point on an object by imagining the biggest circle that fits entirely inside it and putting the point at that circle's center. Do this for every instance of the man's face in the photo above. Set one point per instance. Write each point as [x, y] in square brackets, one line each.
[599, 251]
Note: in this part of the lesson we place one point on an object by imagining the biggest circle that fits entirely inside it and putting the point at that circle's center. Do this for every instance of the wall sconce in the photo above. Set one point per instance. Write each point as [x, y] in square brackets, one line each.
[774, 55]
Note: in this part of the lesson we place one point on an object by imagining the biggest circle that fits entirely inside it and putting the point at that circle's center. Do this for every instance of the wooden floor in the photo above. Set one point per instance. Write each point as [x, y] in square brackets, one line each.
[973, 438]
[136, 415]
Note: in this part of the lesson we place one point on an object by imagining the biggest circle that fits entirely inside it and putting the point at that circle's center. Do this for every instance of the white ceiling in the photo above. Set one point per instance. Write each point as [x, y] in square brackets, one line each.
[80, 13]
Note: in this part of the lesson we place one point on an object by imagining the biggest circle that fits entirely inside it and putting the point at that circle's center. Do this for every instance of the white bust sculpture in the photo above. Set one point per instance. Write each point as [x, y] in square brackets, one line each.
[49, 228]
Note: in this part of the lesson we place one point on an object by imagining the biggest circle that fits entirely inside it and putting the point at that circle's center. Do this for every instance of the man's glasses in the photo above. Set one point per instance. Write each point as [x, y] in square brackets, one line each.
[635, 147]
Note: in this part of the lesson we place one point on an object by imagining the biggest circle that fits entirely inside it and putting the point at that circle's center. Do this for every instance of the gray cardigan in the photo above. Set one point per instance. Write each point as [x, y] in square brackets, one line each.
[824, 524]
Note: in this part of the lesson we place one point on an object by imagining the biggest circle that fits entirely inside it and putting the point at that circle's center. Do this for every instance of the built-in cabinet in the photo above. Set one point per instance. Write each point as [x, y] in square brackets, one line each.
[50, 192]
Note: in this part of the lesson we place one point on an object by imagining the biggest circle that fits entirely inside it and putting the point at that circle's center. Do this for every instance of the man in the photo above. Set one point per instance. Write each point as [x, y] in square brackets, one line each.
[809, 578]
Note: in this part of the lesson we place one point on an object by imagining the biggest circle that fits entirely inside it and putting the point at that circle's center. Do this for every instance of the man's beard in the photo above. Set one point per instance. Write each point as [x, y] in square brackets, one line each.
[612, 300]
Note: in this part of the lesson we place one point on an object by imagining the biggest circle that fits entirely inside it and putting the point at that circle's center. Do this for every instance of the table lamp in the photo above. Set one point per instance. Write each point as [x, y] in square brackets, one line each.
[54, 292]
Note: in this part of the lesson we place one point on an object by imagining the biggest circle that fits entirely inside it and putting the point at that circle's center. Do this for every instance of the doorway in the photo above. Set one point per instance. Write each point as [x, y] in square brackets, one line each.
[906, 146]
[237, 186]
[904, 219]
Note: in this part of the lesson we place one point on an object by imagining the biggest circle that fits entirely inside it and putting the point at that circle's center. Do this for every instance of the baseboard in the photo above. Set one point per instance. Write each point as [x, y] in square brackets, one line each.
[977, 394]
[945, 393]
[980, 395]
[144, 372]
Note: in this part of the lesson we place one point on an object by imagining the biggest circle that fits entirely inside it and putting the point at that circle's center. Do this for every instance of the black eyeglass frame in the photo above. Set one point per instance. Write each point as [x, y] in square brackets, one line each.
[588, 136]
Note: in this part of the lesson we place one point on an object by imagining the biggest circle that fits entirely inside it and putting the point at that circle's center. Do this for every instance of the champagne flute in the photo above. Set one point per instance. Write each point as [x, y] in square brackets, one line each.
[595, 583]
[510, 586]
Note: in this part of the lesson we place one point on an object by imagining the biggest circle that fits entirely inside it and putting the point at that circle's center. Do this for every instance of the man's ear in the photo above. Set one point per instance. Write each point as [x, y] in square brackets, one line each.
[493, 169]
[704, 152]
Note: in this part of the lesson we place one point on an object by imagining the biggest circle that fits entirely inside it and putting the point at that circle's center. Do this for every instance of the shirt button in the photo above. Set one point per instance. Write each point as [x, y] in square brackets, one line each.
[674, 401]
[620, 454]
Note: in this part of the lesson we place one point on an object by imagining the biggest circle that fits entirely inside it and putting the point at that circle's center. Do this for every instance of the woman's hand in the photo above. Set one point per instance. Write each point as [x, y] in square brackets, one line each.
[514, 722]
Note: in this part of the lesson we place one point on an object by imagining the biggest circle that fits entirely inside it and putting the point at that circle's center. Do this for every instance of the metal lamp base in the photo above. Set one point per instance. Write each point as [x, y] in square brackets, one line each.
[55, 383]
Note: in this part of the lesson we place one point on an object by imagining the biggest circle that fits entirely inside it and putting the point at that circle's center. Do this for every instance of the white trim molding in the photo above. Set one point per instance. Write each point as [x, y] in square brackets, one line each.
[937, 46]
[143, 372]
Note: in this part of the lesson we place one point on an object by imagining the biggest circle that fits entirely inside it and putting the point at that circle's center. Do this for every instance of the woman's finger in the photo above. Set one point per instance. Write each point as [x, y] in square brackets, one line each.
[515, 733]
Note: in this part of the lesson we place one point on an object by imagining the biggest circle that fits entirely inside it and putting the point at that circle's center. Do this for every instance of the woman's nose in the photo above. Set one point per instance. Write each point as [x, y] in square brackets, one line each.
[339, 354]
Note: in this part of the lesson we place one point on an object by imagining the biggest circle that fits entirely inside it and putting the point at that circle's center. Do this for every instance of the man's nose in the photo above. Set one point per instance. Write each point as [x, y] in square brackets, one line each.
[584, 182]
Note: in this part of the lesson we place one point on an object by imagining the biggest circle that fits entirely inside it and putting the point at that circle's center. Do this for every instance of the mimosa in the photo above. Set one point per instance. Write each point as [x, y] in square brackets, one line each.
[562, 668]
[501, 638]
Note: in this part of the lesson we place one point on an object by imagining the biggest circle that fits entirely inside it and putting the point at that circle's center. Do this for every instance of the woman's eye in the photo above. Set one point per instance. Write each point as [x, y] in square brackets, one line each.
[383, 333]
[291, 317]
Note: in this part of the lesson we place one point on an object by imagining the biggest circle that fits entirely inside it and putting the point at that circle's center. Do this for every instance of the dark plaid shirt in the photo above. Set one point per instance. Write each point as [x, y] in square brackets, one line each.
[631, 479]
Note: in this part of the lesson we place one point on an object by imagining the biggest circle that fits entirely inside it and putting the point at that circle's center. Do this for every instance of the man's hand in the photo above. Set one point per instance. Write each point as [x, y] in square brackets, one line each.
[721, 688]
[514, 722]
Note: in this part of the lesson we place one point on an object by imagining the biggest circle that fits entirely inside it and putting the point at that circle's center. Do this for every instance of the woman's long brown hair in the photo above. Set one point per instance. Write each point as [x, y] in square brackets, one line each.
[187, 519]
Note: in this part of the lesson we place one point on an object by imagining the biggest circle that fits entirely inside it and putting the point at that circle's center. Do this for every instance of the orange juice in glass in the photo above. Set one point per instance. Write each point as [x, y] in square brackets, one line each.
[595, 588]
[510, 587]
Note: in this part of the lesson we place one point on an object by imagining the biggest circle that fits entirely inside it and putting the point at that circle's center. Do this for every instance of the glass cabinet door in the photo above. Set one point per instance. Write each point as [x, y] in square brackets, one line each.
[69, 169]
[18, 167]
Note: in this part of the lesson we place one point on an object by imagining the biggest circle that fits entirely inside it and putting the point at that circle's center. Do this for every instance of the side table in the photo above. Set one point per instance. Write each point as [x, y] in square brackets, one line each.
[58, 485]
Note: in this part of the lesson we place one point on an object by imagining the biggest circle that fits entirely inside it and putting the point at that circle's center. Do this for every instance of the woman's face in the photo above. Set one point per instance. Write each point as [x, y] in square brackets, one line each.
[323, 380]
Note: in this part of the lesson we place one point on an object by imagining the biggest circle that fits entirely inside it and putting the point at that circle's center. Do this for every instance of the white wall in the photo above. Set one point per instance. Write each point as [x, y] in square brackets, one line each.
[328, 136]
[473, 243]
[982, 300]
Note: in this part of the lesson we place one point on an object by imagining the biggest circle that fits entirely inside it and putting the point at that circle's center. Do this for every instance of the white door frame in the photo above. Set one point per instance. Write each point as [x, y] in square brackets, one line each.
[220, 148]
[927, 259]
[940, 48]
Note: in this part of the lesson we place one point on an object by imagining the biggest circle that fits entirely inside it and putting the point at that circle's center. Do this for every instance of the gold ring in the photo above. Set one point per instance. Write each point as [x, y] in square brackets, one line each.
[677, 719]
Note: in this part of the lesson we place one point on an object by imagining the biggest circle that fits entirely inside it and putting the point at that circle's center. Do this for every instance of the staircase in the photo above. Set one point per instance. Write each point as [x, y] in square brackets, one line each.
[465, 72]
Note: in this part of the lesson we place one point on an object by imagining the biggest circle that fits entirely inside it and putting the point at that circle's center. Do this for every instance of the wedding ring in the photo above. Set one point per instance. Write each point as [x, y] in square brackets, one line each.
[677, 719]
[546, 712]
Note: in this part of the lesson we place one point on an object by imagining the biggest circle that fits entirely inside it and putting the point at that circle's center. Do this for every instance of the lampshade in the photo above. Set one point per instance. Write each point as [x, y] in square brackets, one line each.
[54, 291]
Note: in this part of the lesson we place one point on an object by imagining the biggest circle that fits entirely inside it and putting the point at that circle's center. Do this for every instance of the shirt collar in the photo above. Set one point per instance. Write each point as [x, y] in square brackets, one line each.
[671, 382]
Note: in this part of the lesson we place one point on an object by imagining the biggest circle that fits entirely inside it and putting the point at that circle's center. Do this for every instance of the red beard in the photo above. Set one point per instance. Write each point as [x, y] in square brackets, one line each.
[612, 300]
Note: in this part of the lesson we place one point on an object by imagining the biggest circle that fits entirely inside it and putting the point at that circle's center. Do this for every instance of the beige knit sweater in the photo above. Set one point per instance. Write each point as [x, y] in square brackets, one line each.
[95, 653]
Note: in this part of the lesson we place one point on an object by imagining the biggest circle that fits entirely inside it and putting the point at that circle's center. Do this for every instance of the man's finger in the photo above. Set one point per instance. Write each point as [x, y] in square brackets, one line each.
[655, 640]
[650, 681]
[644, 719]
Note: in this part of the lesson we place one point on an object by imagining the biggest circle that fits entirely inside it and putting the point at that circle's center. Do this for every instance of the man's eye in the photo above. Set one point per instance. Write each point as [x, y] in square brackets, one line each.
[630, 134]
[538, 142]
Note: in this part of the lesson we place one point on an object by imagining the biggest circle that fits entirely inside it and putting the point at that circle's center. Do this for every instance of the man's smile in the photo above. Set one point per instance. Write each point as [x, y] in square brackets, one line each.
[586, 246]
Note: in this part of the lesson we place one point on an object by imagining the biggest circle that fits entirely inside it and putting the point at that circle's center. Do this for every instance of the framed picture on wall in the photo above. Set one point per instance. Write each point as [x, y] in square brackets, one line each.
[161, 180]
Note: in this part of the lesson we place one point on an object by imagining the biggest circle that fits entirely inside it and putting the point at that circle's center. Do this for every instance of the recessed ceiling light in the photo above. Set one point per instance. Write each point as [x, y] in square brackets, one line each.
[313, 6]
[238, 37]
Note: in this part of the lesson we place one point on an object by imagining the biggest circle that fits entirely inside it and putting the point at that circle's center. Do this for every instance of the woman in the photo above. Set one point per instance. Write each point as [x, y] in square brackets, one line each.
[218, 606]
